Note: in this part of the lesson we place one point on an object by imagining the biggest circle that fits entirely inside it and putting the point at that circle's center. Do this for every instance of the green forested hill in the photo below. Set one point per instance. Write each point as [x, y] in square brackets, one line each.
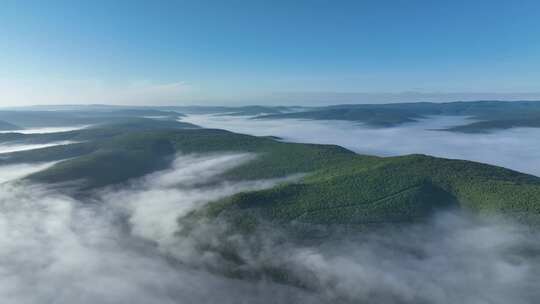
[339, 186]
[119, 126]
[393, 189]
[134, 154]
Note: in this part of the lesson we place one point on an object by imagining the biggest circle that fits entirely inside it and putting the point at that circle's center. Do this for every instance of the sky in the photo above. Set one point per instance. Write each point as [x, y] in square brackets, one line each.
[267, 52]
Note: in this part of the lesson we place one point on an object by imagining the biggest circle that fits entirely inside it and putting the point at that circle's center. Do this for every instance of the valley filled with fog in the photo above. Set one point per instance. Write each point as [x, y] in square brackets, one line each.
[57, 249]
[124, 243]
[515, 148]
[269, 152]
[122, 246]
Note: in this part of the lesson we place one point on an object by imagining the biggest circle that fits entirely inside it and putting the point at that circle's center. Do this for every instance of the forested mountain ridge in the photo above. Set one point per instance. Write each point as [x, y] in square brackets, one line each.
[339, 186]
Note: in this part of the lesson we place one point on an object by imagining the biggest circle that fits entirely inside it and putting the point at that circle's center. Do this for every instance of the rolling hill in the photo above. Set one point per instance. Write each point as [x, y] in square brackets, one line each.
[339, 187]
[336, 193]
[366, 191]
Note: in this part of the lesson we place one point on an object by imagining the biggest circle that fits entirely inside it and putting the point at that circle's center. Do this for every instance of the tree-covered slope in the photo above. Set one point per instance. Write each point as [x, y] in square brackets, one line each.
[394, 189]
[118, 156]
[110, 163]
[101, 155]
[338, 186]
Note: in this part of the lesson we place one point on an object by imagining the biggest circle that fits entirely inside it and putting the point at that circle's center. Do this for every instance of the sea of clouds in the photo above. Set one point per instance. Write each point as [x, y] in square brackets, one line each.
[517, 148]
[122, 246]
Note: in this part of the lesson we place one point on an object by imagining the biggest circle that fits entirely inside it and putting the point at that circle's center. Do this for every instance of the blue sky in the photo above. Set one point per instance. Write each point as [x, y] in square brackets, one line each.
[278, 52]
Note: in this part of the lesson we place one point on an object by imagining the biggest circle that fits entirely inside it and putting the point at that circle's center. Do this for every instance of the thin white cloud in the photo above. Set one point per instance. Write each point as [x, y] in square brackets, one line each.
[8, 148]
[46, 130]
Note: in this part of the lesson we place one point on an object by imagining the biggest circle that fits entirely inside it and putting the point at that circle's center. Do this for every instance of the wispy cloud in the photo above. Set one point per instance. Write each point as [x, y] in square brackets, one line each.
[9, 147]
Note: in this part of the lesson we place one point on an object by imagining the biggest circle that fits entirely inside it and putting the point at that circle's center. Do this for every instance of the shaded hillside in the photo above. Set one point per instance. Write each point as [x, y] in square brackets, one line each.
[151, 150]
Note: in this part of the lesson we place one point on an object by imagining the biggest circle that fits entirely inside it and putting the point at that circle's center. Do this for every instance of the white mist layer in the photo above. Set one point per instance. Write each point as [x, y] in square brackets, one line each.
[517, 148]
[123, 247]
[453, 258]
[173, 193]
[45, 130]
[55, 249]
[8, 148]
[17, 171]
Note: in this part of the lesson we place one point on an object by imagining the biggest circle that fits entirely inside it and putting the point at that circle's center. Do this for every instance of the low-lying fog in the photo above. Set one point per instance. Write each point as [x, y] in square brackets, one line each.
[46, 130]
[16, 171]
[517, 149]
[122, 246]
[11, 147]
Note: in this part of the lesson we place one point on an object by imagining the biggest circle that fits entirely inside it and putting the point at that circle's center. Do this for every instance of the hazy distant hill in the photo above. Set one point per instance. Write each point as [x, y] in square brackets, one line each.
[240, 110]
[516, 120]
[491, 114]
[38, 119]
[6, 126]
[485, 115]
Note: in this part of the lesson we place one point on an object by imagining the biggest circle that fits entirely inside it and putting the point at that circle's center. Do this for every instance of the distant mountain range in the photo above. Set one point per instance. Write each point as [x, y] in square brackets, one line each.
[340, 187]
[485, 116]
